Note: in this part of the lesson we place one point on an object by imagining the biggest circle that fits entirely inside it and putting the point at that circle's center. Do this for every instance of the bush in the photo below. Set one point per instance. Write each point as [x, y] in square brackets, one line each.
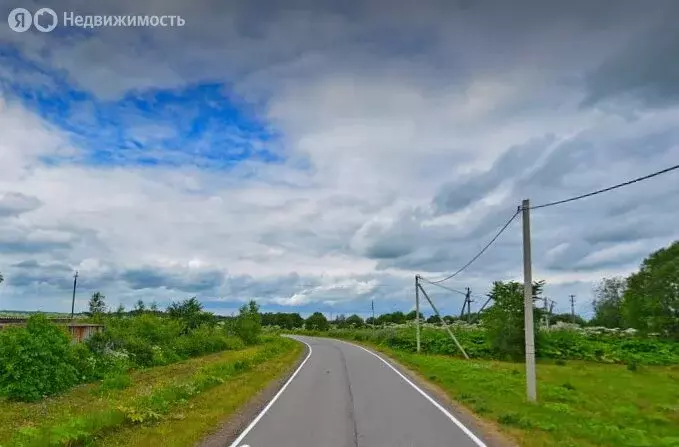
[35, 361]
[248, 325]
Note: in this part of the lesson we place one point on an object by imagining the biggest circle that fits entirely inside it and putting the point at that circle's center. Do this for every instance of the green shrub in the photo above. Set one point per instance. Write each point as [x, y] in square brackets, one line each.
[248, 325]
[36, 361]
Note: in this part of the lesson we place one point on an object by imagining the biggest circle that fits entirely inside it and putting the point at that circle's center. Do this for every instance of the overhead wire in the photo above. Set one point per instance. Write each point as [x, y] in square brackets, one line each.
[610, 188]
[483, 250]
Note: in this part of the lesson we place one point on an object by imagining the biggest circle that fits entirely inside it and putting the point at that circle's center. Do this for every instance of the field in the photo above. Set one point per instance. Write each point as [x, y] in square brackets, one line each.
[581, 403]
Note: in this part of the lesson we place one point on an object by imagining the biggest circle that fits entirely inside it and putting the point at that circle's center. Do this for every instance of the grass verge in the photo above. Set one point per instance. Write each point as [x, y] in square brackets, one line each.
[580, 403]
[165, 396]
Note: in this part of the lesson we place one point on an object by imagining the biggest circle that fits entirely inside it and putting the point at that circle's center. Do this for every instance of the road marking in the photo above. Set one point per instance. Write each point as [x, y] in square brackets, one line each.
[275, 398]
[461, 426]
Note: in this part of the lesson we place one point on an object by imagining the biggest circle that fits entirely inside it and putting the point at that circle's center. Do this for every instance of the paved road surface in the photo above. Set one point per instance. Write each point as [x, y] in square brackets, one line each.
[344, 396]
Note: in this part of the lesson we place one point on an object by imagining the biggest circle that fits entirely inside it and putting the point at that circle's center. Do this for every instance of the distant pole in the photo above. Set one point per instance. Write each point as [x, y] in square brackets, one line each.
[531, 390]
[75, 283]
[468, 299]
[546, 314]
[372, 303]
[573, 308]
[417, 309]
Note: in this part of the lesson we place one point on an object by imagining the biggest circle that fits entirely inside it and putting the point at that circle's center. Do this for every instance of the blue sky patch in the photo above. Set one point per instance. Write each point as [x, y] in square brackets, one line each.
[201, 124]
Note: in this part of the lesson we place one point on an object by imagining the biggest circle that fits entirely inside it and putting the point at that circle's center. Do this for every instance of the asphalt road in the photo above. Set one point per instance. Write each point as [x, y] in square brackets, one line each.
[345, 396]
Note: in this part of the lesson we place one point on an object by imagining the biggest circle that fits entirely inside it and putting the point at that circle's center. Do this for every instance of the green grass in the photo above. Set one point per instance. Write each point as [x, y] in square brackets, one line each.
[190, 423]
[580, 403]
[157, 397]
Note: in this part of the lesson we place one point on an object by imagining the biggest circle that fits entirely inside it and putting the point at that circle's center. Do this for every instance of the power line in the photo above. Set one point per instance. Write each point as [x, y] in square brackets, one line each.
[479, 253]
[442, 286]
[610, 188]
[449, 288]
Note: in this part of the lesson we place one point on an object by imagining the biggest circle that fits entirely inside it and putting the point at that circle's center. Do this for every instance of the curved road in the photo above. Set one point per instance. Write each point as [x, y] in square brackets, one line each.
[346, 396]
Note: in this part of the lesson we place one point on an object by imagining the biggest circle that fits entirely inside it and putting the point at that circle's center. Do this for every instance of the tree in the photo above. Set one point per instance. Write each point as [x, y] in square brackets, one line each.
[340, 321]
[397, 317]
[504, 320]
[248, 325]
[2, 278]
[317, 322]
[140, 307]
[568, 318]
[607, 303]
[120, 311]
[411, 316]
[154, 307]
[97, 304]
[651, 300]
[191, 313]
[434, 319]
[449, 319]
[354, 321]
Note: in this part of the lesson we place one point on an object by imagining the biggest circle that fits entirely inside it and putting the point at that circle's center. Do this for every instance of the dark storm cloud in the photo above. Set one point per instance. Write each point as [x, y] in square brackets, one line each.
[647, 70]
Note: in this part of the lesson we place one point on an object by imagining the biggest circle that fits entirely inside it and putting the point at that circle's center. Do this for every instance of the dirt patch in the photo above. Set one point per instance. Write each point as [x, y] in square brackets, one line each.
[239, 421]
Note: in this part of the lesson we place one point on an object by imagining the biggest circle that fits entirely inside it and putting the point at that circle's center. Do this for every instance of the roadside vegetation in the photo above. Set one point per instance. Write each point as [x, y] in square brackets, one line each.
[145, 370]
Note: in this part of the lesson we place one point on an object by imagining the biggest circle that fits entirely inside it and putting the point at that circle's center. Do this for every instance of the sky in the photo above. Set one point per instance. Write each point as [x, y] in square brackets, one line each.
[319, 155]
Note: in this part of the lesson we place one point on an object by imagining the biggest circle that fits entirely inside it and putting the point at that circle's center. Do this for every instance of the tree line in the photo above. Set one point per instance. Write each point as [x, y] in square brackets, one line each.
[647, 300]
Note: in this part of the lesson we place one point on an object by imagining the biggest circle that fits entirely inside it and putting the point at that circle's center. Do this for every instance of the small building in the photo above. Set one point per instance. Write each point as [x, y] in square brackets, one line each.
[82, 331]
[79, 332]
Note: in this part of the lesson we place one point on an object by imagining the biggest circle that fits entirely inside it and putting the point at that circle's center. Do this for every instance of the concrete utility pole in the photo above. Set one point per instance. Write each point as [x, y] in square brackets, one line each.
[531, 389]
[469, 305]
[417, 309]
[75, 283]
[573, 308]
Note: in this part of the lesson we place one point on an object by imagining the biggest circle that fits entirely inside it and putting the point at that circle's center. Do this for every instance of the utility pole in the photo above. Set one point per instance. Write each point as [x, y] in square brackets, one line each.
[417, 309]
[573, 308]
[372, 303]
[546, 317]
[468, 298]
[531, 389]
[75, 283]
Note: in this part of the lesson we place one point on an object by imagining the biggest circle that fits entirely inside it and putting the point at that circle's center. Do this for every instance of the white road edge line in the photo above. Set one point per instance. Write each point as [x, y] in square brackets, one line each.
[249, 428]
[461, 426]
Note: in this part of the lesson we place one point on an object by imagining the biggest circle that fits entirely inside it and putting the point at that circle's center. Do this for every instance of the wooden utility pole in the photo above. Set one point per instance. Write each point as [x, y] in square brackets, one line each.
[573, 308]
[417, 309]
[75, 283]
[468, 298]
[531, 389]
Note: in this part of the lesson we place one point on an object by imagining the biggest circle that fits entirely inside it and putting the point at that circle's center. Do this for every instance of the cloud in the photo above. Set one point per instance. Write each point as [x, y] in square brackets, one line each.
[181, 280]
[15, 203]
[318, 155]
[645, 72]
